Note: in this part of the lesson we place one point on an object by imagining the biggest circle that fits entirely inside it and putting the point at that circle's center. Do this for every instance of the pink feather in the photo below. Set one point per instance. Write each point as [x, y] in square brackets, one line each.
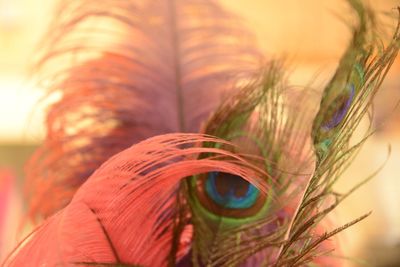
[164, 67]
[129, 202]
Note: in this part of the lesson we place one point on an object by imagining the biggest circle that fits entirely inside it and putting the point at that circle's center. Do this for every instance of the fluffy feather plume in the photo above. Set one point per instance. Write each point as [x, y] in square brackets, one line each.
[256, 194]
[130, 202]
[161, 67]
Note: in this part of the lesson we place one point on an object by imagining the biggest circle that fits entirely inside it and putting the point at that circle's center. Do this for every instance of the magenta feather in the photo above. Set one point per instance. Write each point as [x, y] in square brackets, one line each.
[168, 65]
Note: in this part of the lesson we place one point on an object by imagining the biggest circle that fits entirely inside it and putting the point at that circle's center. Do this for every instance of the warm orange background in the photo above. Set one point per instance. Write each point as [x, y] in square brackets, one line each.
[307, 33]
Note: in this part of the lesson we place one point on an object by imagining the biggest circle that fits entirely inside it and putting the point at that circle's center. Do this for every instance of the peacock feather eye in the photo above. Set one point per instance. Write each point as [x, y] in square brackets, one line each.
[333, 112]
[230, 191]
[228, 195]
[340, 107]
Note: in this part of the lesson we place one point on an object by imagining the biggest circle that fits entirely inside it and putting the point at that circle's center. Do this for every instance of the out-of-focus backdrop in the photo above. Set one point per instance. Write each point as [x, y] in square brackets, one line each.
[308, 33]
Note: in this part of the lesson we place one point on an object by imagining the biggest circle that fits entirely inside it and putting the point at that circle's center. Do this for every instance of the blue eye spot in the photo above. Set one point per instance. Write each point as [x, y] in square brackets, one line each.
[342, 105]
[230, 191]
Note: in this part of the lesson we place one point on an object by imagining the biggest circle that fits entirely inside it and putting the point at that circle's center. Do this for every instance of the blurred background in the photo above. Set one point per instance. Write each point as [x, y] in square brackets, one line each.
[308, 33]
